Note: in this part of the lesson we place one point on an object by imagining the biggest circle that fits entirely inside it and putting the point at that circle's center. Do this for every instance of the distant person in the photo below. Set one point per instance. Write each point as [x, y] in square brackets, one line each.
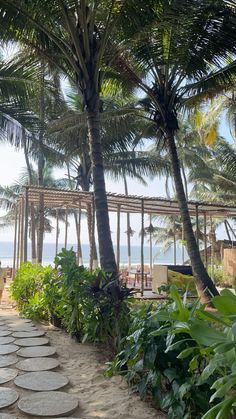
[1, 281]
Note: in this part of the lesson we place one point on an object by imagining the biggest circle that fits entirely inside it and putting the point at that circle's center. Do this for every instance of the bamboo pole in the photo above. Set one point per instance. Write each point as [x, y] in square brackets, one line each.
[212, 250]
[150, 241]
[57, 231]
[142, 247]
[41, 228]
[15, 242]
[66, 227]
[26, 223]
[197, 225]
[118, 239]
[18, 239]
[33, 233]
[174, 242]
[205, 240]
[22, 230]
[80, 255]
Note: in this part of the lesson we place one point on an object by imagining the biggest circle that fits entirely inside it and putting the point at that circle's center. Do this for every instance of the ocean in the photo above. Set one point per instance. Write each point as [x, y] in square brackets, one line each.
[6, 254]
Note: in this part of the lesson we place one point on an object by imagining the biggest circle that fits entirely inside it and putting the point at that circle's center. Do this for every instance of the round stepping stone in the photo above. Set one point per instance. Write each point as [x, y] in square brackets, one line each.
[23, 319]
[37, 351]
[22, 328]
[4, 328]
[33, 334]
[4, 332]
[53, 403]
[2, 324]
[7, 360]
[6, 339]
[6, 416]
[8, 349]
[38, 364]
[41, 381]
[8, 396]
[31, 341]
[7, 374]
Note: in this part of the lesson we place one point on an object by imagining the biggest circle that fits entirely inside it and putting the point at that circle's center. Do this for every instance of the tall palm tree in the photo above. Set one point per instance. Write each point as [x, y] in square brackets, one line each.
[74, 35]
[184, 56]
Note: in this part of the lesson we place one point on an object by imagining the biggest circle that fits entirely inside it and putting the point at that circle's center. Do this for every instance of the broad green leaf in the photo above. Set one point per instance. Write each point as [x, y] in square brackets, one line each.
[186, 352]
[225, 347]
[205, 315]
[183, 311]
[206, 335]
[225, 304]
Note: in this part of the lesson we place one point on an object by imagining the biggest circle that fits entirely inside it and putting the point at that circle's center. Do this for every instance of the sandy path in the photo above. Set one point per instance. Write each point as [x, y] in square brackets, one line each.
[84, 365]
[99, 397]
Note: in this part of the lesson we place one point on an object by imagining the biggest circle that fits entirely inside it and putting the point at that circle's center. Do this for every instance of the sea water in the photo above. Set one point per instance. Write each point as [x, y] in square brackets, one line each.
[159, 257]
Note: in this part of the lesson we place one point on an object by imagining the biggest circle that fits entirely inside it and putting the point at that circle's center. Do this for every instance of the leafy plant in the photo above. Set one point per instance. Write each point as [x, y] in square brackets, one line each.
[27, 289]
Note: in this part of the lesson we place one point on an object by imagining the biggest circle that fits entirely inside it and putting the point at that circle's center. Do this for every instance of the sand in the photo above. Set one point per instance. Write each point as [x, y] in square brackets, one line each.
[99, 397]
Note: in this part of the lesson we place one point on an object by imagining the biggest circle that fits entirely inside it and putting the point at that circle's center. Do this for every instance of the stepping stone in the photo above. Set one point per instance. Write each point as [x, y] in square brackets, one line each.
[41, 381]
[38, 364]
[2, 324]
[4, 328]
[53, 403]
[8, 349]
[6, 416]
[32, 341]
[22, 328]
[8, 396]
[25, 320]
[7, 374]
[37, 351]
[6, 339]
[33, 334]
[7, 360]
[5, 332]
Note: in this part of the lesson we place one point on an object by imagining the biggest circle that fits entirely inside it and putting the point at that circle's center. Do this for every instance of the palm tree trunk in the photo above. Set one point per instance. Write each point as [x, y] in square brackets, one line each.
[106, 251]
[93, 257]
[203, 281]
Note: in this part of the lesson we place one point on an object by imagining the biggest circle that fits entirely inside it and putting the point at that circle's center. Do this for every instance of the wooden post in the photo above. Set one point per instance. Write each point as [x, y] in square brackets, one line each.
[118, 239]
[80, 255]
[66, 227]
[150, 240]
[142, 247]
[41, 228]
[18, 239]
[197, 225]
[57, 231]
[15, 242]
[212, 251]
[174, 242]
[33, 233]
[205, 240]
[26, 223]
[22, 229]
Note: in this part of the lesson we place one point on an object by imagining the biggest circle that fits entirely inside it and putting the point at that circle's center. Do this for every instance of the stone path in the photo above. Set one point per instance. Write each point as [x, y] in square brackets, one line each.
[26, 384]
[88, 395]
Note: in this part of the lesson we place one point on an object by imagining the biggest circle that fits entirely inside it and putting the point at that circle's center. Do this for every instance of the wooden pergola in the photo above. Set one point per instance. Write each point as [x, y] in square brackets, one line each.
[40, 197]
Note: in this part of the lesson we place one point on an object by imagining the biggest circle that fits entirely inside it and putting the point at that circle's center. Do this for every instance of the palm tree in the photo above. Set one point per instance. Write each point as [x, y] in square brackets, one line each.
[184, 56]
[74, 35]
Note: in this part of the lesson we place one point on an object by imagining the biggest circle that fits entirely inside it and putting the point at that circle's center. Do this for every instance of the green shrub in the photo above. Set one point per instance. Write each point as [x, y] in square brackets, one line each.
[183, 356]
[94, 306]
[27, 289]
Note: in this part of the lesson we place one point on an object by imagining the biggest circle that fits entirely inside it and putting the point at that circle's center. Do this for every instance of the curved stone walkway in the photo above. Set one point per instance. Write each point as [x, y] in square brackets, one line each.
[67, 377]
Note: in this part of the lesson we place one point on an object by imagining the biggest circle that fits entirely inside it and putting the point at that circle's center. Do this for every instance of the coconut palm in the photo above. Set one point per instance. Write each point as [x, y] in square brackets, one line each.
[184, 56]
[74, 35]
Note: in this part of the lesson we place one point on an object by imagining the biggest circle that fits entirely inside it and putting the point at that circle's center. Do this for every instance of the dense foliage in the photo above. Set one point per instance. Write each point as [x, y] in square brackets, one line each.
[90, 305]
[184, 356]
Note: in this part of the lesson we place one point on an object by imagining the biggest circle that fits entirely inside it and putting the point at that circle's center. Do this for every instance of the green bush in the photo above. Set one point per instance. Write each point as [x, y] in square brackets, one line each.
[94, 306]
[27, 290]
